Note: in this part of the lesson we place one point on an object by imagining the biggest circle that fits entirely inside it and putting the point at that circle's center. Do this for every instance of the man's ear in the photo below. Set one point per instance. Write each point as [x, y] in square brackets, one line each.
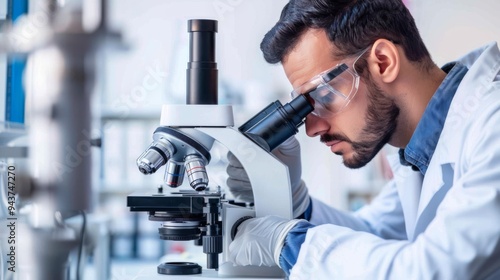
[384, 61]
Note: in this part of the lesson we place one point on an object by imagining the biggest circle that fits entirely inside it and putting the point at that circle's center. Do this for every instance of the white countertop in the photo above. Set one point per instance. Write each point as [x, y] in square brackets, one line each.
[130, 270]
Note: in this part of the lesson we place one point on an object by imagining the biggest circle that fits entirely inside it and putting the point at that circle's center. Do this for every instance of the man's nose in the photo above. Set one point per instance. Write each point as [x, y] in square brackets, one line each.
[316, 126]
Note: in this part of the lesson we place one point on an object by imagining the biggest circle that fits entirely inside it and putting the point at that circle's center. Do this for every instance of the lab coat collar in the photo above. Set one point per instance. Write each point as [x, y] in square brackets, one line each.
[484, 66]
[418, 153]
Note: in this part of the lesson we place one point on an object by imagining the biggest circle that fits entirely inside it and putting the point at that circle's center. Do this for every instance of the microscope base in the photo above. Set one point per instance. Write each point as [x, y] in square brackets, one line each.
[179, 268]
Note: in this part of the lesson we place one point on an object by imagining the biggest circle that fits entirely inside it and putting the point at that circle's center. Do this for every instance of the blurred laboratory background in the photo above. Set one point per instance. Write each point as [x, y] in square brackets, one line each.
[134, 83]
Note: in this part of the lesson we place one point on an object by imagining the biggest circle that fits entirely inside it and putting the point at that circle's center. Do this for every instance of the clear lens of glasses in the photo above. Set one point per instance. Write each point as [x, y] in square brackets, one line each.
[331, 90]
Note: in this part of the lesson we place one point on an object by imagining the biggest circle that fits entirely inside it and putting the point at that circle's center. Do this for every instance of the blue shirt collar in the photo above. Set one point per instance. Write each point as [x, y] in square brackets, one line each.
[420, 149]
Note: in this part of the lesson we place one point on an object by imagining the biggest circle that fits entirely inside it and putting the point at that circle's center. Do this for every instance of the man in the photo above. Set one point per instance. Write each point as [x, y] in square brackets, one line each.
[440, 216]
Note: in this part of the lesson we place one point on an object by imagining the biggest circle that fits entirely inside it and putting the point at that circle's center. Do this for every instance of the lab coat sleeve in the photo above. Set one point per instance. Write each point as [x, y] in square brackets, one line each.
[461, 242]
[382, 217]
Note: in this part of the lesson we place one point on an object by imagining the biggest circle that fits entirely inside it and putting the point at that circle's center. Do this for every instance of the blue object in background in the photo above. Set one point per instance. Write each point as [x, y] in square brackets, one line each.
[15, 93]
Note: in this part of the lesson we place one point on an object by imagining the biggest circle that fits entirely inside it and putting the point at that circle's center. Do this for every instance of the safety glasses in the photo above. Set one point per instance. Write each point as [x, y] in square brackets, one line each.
[331, 90]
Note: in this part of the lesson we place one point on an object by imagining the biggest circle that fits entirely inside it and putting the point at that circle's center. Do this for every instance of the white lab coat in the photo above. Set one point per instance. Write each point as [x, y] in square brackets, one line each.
[443, 226]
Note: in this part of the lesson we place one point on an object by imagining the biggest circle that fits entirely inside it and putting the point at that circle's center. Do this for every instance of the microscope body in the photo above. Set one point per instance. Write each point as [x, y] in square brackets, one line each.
[183, 142]
[189, 131]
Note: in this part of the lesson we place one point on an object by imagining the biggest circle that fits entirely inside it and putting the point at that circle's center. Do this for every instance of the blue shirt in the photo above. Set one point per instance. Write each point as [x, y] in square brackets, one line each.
[417, 153]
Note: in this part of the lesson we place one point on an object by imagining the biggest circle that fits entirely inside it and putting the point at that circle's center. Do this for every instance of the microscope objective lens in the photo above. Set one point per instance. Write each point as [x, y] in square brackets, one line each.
[155, 156]
[174, 173]
[196, 172]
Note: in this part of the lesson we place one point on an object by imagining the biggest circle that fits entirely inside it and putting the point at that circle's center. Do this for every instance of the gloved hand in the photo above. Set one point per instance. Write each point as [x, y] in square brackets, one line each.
[259, 241]
[289, 154]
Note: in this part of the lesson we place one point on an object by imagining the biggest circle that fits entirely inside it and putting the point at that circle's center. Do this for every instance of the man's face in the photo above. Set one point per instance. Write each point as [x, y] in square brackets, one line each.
[364, 126]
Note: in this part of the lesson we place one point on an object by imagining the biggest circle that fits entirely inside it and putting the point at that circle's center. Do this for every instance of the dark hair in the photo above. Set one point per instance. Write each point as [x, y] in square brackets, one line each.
[351, 25]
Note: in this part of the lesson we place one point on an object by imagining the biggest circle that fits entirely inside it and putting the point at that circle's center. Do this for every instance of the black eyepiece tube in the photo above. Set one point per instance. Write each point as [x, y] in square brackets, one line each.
[277, 122]
[202, 74]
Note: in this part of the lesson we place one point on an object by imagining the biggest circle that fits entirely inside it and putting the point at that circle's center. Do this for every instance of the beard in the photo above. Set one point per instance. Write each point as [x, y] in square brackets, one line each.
[381, 122]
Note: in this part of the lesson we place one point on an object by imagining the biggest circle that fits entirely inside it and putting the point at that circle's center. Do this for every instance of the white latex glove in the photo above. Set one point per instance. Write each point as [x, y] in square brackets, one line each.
[259, 241]
[289, 154]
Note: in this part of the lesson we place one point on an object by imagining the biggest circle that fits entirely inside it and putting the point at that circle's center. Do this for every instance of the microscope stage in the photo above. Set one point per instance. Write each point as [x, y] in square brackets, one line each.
[178, 201]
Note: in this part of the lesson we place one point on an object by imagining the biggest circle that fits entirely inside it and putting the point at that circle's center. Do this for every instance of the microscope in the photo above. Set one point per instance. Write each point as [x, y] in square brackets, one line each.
[183, 142]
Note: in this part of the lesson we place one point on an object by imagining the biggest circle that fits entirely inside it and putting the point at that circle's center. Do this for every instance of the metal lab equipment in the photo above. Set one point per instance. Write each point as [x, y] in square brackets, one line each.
[60, 117]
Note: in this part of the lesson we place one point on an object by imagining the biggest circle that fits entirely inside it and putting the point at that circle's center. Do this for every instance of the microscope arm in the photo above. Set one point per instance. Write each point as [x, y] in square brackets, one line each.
[268, 176]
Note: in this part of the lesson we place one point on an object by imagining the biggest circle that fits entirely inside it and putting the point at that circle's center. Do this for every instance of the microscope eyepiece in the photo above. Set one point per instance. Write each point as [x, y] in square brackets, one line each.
[202, 73]
[277, 122]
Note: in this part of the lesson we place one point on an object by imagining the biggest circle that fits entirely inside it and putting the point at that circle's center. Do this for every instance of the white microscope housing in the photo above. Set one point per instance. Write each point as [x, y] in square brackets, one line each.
[183, 142]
